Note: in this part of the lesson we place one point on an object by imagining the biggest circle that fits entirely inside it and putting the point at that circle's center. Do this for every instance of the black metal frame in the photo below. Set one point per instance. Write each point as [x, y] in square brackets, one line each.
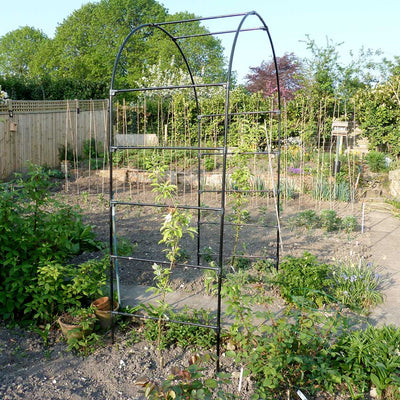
[217, 150]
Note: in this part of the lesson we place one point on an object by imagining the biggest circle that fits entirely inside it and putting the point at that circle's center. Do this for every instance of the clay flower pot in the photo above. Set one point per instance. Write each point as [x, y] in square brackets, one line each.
[72, 328]
[102, 304]
[102, 309]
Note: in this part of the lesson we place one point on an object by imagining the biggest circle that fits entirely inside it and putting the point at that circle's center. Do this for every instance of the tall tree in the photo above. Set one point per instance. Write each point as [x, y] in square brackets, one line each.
[263, 78]
[18, 48]
[378, 109]
[86, 43]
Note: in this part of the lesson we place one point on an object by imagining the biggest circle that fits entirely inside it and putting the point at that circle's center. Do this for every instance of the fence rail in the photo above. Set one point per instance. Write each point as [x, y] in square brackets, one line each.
[35, 131]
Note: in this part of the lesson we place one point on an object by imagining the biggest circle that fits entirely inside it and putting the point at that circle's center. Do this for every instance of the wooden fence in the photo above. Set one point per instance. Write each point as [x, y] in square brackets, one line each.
[35, 131]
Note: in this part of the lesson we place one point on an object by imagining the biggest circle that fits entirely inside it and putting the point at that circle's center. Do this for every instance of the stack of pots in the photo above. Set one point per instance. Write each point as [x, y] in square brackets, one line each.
[102, 309]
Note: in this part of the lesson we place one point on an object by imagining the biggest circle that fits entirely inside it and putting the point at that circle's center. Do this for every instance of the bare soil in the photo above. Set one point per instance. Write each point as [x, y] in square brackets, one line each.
[31, 370]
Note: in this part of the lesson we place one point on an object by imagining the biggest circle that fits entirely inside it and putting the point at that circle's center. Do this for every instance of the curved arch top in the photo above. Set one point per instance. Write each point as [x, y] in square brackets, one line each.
[233, 48]
[160, 26]
[154, 25]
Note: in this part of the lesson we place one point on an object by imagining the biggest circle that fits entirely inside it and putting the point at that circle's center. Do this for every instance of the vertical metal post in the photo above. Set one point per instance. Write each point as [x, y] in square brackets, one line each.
[111, 208]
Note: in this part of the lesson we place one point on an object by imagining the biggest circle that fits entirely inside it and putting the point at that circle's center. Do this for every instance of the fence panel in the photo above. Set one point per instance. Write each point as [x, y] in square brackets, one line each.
[35, 131]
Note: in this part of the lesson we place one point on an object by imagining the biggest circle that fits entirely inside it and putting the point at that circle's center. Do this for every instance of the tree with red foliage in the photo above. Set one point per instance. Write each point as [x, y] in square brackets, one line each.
[263, 78]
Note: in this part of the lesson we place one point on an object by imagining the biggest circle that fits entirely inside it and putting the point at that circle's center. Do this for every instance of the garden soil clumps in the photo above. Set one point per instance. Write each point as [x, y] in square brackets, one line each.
[29, 370]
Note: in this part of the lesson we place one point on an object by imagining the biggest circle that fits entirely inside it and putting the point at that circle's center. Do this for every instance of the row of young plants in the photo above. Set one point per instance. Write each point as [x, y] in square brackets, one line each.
[326, 219]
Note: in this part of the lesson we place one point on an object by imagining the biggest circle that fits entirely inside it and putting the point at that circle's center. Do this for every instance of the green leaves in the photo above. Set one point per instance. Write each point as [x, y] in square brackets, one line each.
[37, 234]
[327, 220]
[369, 356]
[303, 278]
[189, 383]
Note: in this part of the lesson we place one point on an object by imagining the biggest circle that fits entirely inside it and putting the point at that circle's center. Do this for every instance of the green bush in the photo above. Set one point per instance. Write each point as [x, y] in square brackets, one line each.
[93, 148]
[349, 224]
[306, 218]
[37, 235]
[209, 164]
[311, 350]
[376, 161]
[303, 280]
[293, 352]
[329, 220]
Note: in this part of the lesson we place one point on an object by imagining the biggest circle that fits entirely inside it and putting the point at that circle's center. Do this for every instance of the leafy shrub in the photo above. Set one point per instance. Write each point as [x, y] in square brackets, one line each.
[84, 319]
[303, 279]
[306, 349]
[293, 352]
[376, 161]
[209, 164]
[329, 220]
[92, 149]
[306, 218]
[37, 234]
[349, 224]
[65, 155]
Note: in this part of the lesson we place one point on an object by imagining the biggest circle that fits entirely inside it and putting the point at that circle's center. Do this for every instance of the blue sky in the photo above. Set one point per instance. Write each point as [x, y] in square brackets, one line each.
[357, 23]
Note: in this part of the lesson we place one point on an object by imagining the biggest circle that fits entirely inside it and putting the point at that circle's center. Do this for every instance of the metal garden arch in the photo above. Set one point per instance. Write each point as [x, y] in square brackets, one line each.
[221, 151]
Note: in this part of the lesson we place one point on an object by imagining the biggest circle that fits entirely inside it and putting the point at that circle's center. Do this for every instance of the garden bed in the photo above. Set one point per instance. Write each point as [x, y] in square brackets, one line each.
[29, 369]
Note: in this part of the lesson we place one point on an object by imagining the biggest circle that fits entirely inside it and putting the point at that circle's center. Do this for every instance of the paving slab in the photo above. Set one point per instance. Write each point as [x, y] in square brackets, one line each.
[384, 230]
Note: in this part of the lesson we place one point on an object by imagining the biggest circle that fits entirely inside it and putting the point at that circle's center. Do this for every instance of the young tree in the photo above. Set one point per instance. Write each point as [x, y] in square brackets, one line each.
[263, 78]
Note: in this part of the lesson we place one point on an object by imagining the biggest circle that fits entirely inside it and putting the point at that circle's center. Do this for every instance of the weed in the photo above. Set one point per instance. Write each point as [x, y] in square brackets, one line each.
[85, 345]
[44, 333]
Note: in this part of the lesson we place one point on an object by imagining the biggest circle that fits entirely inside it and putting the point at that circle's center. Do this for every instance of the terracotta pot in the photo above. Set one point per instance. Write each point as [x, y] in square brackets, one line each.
[104, 316]
[102, 304]
[74, 331]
